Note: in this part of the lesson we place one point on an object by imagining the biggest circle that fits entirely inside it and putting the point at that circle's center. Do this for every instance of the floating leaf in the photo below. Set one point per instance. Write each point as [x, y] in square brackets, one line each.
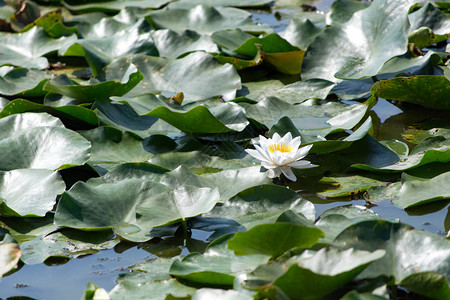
[29, 192]
[39, 141]
[23, 82]
[71, 115]
[218, 266]
[322, 272]
[274, 239]
[424, 252]
[198, 76]
[417, 191]
[427, 90]
[27, 49]
[117, 83]
[263, 204]
[213, 19]
[363, 46]
[114, 6]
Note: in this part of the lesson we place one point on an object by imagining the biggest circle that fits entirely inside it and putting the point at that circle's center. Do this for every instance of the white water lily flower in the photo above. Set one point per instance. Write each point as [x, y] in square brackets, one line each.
[280, 154]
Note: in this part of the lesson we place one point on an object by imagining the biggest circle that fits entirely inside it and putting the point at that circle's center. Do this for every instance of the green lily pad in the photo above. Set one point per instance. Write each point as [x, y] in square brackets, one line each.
[159, 289]
[408, 251]
[29, 192]
[71, 115]
[22, 82]
[198, 76]
[100, 52]
[27, 49]
[429, 284]
[9, 257]
[213, 19]
[263, 204]
[434, 149]
[114, 6]
[300, 33]
[40, 141]
[117, 83]
[428, 26]
[68, 244]
[218, 266]
[110, 145]
[333, 221]
[416, 191]
[342, 10]
[171, 44]
[196, 161]
[236, 3]
[380, 37]
[274, 239]
[322, 272]
[427, 90]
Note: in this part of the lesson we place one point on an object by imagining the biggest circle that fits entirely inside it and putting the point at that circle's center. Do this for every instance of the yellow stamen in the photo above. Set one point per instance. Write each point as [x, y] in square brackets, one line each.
[280, 147]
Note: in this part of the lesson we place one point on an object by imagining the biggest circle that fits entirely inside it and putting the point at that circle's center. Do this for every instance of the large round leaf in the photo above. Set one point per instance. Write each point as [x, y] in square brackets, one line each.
[211, 20]
[359, 47]
[316, 274]
[22, 82]
[408, 251]
[32, 140]
[218, 266]
[263, 204]
[29, 192]
[427, 90]
[274, 239]
[27, 49]
[197, 75]
[117, 83]
[417, 191]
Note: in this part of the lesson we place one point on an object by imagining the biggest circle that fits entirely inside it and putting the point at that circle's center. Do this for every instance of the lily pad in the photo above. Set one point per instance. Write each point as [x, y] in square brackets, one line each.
[27, 49]
[212, 19]
[427, 90]
[74, 117]
[117, 84]
[218, 266]
[274, 239]
[114, 6]
[198, 76]
[29, 192]
[425, 252]
[41, 141]
[22, 82]
[363, 46]
[417, 191]
[324, 271]
[110, 145]
[263, 204]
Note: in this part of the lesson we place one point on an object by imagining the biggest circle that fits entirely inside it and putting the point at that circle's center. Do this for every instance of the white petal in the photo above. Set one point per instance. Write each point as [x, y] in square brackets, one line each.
[276, 138]
[256, 154]
[263, 153]
[263, 141]
[272, 173]
[295, 143]
[268, 165]
[286, 139]
[288, 173]
[301, 164]
[302, 152]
